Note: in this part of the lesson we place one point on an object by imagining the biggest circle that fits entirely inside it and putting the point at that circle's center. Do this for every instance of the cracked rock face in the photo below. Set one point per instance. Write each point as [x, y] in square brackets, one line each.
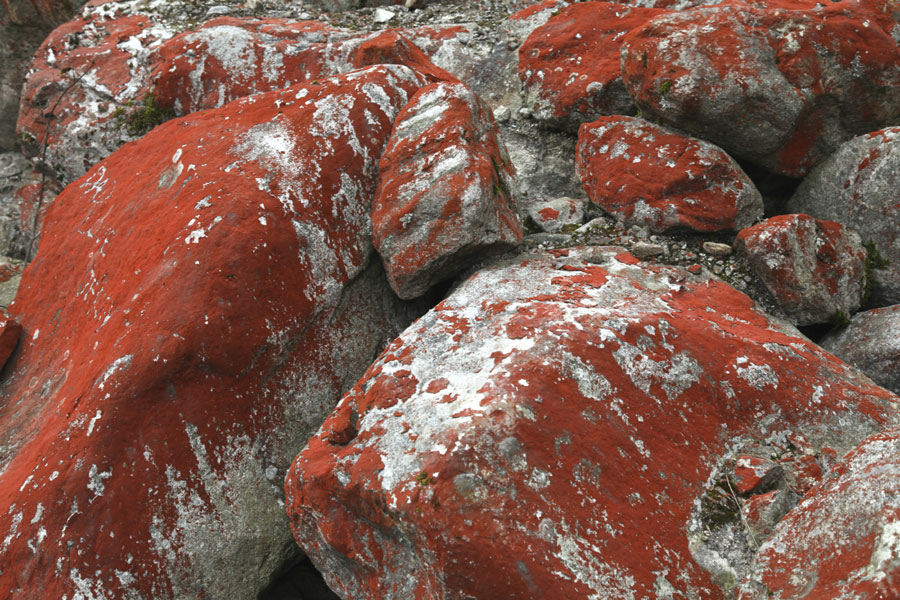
[858, 186]
[842, 539]
[652, 176]
[778, 88]
[815, 269]
[186, 328]
[539, 418]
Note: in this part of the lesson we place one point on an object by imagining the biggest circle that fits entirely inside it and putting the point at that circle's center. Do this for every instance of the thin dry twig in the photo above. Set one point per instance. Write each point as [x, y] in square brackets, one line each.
[40, 200]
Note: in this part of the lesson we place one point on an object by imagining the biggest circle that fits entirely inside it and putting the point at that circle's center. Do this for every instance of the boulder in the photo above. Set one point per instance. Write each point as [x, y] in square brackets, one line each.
[841, 540]
[187, 326]
[871, 343]
[859, 186]
[86, 91]
[446, 192]
[229, 58]
[652, 176]
[547, 428]
[17, 179]
[570, 66]
[816, 270]
[778, 88]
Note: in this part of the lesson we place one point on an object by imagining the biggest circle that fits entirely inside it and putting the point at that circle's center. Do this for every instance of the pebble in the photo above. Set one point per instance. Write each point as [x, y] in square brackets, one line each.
[383, 16]
[716, 249]
[644, 250]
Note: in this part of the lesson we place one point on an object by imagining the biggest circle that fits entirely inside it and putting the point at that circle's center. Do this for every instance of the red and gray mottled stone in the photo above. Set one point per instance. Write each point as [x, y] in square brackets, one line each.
[552, 216]
[544, 431]
[10, 332]
[815, 269]
[651, 176]
[859, 186]
[446, 193]
[871, 343]
[83, 73]
[570, 67]
[187, 326]
[779, 88]
[842, 540]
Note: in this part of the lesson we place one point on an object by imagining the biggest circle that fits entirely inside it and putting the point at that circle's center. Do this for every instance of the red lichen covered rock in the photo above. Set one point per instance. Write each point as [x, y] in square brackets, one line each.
[841, 541]
[557, 214]
[859, 186]
[779, 88]
[545, 430]
[570, 66]
[76, 96]
[187, 326]
[871, 343]
[229, 58]
[753, 474]
[651, 176]
[814, 269]
[446, 193]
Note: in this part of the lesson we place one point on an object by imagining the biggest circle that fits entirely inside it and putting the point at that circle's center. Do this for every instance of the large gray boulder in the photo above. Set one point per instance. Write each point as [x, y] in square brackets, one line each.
[872, 344]
[859, 186]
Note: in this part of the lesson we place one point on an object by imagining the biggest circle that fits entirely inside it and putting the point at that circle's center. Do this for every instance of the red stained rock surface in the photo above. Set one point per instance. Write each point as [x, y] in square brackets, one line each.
[229, 58]
[550, 425]
[187, 326]
[752, 474]
[841, 541]
[650, 175]
[82, 74]
[10, 332]
[779, 88]
[446, 193]
[814, 269]
[859, 186]
[554, 215]
[570, 66]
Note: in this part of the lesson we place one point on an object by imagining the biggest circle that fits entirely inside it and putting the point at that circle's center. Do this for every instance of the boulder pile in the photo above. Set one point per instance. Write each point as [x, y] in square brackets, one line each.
[391, 300]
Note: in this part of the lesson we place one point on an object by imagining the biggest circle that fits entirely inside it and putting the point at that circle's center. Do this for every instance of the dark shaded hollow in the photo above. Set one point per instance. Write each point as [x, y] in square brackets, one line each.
[300, 581]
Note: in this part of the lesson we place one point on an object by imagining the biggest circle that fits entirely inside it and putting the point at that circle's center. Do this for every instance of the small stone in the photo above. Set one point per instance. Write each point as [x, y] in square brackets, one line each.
[804, 472]
[763, 511]
[716, 249]
[695, 269]
[217, 11]
[383, 16]
[558, 215]
[502, 114]
[753, 474]
[644, 250]
[525, 113]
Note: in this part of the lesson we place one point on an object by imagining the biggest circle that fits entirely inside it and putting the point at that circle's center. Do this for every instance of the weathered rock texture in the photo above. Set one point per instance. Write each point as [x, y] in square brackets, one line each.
[570, 66]
[779, 88]
[652, 176]
[841, 541]
[186, 327]
[871, 342]
[815, 269]
[859, 186]
[557, 214]
[446, 192]
[543, 432]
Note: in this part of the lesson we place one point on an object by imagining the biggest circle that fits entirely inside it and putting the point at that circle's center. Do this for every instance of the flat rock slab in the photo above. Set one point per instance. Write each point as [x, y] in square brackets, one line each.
[545, 430]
